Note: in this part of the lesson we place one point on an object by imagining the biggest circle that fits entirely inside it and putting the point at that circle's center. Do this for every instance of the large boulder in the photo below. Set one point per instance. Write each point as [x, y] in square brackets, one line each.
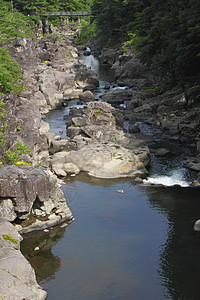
[29, 117]
[192, 164]
[117, 96]
[41, 102]
[87, 96]
[52, 83]
[95, 113]
[21, 196]
[132, 73]
[85, 77]
[107, 161]
[108, 56]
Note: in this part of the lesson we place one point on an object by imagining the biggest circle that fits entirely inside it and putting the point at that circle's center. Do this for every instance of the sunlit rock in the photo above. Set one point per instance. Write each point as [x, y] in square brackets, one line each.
[17, 277]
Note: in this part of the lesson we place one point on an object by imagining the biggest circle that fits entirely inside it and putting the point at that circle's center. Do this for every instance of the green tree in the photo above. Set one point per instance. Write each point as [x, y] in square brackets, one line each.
[34, 6]
[109, 15]
[12, 23]
[31, 7]
[166, 34]
[10, 73]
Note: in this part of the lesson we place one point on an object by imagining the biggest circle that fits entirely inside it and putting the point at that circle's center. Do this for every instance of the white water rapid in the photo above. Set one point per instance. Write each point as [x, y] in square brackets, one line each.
[175, 177]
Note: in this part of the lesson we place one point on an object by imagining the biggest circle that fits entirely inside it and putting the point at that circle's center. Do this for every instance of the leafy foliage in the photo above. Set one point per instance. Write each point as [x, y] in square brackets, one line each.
[12, 23]
[87, 32]
[10, 72]
[9, 238]
[34, 6]
[166, 34]
[11, 156]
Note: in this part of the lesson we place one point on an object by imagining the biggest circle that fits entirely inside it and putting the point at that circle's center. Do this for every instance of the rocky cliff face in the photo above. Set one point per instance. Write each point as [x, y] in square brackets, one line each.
[29, 197]
[49, 67]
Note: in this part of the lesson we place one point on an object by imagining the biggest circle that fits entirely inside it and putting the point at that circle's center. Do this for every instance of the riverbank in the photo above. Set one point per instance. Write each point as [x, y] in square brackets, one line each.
[173, 115]
[30, 197]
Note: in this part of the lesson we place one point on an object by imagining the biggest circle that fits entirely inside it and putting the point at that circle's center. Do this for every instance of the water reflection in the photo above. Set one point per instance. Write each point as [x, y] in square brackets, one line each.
[37, 248]
[137, 245]
[179, 259]
[90, 180]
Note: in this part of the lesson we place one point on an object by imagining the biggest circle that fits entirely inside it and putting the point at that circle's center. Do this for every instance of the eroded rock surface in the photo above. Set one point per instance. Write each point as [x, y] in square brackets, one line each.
[102, 149]
[17, 280]
[117, 96]
[26, 194]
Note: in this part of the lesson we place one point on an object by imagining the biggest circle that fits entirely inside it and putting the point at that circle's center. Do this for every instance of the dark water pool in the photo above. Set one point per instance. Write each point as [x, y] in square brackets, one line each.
[137, 245]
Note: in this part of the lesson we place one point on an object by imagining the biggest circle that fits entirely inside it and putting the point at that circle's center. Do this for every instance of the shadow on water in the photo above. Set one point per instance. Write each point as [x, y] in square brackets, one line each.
[179, 264]
[37, 248]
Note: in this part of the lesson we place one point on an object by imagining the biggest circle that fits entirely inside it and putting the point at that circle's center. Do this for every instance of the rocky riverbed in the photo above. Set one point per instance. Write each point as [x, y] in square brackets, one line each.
[30, 196]
[173, 114]
[101, 149]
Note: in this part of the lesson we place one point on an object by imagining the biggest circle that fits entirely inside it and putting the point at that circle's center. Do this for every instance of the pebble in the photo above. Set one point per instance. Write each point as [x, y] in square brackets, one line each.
[57, 137]
[18, 227]
[120, 191]
[64, 225]
[46, 230]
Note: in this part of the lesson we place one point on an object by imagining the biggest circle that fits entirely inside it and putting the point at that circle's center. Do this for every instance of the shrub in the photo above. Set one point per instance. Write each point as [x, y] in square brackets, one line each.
[10, 73]
[11, 156]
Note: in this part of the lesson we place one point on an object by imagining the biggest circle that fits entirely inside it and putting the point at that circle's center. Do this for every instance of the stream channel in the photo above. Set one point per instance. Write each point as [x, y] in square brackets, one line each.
[139, 245]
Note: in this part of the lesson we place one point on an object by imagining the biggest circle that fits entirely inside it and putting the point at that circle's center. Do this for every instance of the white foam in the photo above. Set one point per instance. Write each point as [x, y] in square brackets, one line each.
[176, 177]
[123, 105]
[120, 88]
[92, 62]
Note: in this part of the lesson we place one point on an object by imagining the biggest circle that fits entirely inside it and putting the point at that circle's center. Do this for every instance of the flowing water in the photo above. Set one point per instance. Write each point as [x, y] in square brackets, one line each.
[138, 244]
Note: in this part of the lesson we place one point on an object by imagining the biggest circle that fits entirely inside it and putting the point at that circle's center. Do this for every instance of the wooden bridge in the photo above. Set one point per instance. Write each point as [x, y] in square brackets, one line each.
[67, 13]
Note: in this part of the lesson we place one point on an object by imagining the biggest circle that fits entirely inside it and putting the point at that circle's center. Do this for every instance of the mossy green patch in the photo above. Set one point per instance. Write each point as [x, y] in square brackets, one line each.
[10, 239]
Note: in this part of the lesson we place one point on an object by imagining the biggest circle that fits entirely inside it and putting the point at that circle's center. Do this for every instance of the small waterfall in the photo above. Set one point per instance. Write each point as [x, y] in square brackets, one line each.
[174, 177]
[168, 170]
[90, 61]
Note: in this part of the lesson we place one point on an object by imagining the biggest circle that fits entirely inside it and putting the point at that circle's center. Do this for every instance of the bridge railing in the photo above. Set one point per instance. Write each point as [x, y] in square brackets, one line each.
[66, 13]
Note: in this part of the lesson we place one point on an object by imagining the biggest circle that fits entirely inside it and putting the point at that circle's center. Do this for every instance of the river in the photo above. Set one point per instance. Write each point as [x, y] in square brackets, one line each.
[138, 244]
